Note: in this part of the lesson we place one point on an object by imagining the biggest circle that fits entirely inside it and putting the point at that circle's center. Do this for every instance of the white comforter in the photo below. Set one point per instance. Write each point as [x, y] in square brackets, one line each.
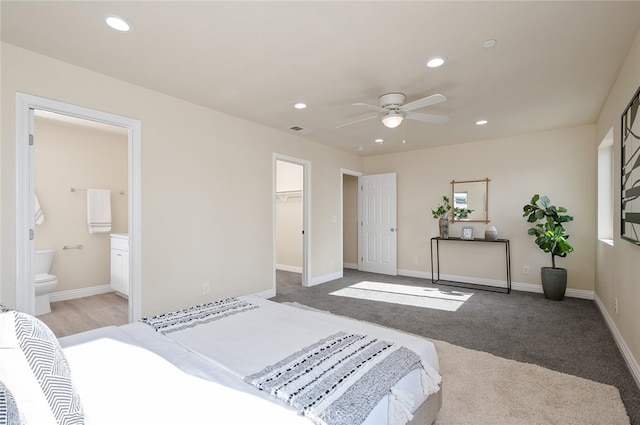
[246, 342]
[120, 382]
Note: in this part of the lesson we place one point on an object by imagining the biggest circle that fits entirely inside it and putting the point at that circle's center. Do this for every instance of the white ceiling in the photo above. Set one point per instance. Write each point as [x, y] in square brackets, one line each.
[552, 67]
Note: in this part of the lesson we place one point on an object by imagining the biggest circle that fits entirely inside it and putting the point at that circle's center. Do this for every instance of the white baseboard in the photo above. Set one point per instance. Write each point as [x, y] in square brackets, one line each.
[353, 266]
[326, 278]
[80, 293]
[288, 268]
[414, 273]
[631, 361]
[516, 286]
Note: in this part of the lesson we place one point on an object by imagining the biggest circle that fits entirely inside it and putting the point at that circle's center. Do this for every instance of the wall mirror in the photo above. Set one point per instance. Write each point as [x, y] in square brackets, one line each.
[470, 195]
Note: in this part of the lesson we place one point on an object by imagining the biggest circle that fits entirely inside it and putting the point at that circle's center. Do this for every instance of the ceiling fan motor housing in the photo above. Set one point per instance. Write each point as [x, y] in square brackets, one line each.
[392, 100]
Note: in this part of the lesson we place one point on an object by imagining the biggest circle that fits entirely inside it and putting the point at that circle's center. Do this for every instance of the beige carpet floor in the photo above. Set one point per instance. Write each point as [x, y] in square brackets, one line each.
[480, 388]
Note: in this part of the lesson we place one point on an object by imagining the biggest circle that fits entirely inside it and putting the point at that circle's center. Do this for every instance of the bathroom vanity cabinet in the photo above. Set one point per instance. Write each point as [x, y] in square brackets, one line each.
[120, 263]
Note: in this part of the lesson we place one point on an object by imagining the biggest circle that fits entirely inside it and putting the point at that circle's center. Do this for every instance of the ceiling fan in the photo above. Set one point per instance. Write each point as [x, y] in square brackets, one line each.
[393, 110]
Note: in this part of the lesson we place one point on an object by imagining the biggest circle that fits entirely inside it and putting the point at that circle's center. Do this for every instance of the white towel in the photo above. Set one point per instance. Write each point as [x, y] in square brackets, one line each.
[39, 216]
[99, 210]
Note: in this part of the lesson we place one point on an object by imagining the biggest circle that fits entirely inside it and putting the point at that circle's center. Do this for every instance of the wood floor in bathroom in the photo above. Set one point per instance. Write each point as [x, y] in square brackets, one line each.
[82, 314]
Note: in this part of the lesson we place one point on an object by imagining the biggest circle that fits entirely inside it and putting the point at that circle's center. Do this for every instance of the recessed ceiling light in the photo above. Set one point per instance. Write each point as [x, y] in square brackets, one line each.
[379, 140]
[436, 62]
[118, 23]
[489, 43]
[481, 122]
[299, 105]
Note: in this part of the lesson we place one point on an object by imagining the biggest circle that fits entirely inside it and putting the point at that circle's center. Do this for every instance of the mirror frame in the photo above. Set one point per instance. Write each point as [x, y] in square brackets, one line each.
[486, 205]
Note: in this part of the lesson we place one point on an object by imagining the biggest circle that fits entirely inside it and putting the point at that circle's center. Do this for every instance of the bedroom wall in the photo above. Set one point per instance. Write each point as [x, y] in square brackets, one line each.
[517, 169]
[618, 268]
[197, 225]
[66, 156]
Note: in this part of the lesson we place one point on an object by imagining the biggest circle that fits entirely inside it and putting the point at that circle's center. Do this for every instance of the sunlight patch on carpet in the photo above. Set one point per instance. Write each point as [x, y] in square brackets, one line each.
[435, 298]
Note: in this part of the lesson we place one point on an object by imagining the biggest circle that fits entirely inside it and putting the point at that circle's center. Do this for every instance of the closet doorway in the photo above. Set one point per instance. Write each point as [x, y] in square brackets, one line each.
[291, 236]
[26, 105]
[350, 226]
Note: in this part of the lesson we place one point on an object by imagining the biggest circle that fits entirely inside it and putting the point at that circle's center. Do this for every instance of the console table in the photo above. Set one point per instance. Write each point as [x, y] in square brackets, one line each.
[437, 241]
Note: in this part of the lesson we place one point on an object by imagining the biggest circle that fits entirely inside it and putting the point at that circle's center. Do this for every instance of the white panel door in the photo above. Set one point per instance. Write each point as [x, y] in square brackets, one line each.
[378, 223]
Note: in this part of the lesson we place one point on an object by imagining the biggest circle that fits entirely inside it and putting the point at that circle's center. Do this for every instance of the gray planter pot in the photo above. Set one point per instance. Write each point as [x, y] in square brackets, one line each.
[554, 283]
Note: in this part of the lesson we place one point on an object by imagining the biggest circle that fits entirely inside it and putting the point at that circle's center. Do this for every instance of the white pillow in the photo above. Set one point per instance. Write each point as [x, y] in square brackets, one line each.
[34, 368]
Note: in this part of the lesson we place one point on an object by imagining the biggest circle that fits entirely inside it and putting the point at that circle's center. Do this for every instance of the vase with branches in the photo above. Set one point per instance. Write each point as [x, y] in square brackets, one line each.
[442, 213]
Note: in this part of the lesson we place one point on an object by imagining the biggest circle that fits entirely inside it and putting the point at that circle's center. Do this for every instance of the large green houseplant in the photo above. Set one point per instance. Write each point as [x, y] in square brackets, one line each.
[551, 237]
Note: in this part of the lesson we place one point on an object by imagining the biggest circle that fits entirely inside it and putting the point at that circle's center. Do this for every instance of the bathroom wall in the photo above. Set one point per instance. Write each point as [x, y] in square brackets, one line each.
[72, 155]
[289, 217]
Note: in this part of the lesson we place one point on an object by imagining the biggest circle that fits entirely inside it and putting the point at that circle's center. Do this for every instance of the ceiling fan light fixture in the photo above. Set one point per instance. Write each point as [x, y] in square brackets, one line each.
[392, 120]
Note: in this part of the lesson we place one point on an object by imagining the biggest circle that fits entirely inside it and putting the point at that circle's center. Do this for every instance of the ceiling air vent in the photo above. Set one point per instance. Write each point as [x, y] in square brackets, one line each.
[296, 128]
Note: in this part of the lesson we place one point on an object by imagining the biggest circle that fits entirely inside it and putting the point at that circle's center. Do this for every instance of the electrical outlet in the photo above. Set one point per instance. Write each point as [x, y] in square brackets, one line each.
[525, 269]
[206, 288]
[615, 306]
[415, 260]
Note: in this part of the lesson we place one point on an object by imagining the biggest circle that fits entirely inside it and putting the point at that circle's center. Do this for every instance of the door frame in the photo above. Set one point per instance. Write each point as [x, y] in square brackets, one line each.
[306, 215]
[25, 247]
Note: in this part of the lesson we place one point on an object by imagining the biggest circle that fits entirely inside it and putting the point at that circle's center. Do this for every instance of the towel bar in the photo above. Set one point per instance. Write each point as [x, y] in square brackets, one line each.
[72, 247]
[76, 189]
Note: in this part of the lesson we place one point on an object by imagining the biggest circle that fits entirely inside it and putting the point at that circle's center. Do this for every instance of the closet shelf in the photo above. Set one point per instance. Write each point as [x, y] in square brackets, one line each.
[284, 195]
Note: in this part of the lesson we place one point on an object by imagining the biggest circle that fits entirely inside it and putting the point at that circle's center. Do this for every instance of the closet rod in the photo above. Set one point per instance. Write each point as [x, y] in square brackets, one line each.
[75, 189]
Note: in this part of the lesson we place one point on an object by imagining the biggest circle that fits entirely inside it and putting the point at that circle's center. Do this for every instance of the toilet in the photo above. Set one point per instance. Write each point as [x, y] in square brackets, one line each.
[45, 283]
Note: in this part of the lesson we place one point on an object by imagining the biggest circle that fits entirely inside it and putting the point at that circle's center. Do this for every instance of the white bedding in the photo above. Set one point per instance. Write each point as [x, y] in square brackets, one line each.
[120, 382]
[246, 342]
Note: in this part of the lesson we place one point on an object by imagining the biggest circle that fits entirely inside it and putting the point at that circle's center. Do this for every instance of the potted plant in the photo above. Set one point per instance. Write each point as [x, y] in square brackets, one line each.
[552, 238]
[442, 213]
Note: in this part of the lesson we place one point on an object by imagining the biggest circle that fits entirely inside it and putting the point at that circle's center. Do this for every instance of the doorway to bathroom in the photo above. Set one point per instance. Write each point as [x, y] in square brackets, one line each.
[76, 160]
[85, 149]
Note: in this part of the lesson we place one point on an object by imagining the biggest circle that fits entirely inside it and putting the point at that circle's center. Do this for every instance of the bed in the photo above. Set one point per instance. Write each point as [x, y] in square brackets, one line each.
[222, 362]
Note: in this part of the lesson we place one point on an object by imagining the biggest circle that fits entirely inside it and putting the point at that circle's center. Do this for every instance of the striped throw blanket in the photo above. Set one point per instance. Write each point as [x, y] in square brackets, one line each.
[341, 378]
[196, 315]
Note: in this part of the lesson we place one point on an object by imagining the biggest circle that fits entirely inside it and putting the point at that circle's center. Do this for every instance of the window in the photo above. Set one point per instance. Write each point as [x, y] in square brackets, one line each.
[605, 189]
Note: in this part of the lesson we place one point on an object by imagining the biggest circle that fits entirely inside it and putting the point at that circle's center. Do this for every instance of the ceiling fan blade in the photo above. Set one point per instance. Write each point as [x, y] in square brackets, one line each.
[434, 99]
[435, 119]
[366, 105]
[357, 121]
